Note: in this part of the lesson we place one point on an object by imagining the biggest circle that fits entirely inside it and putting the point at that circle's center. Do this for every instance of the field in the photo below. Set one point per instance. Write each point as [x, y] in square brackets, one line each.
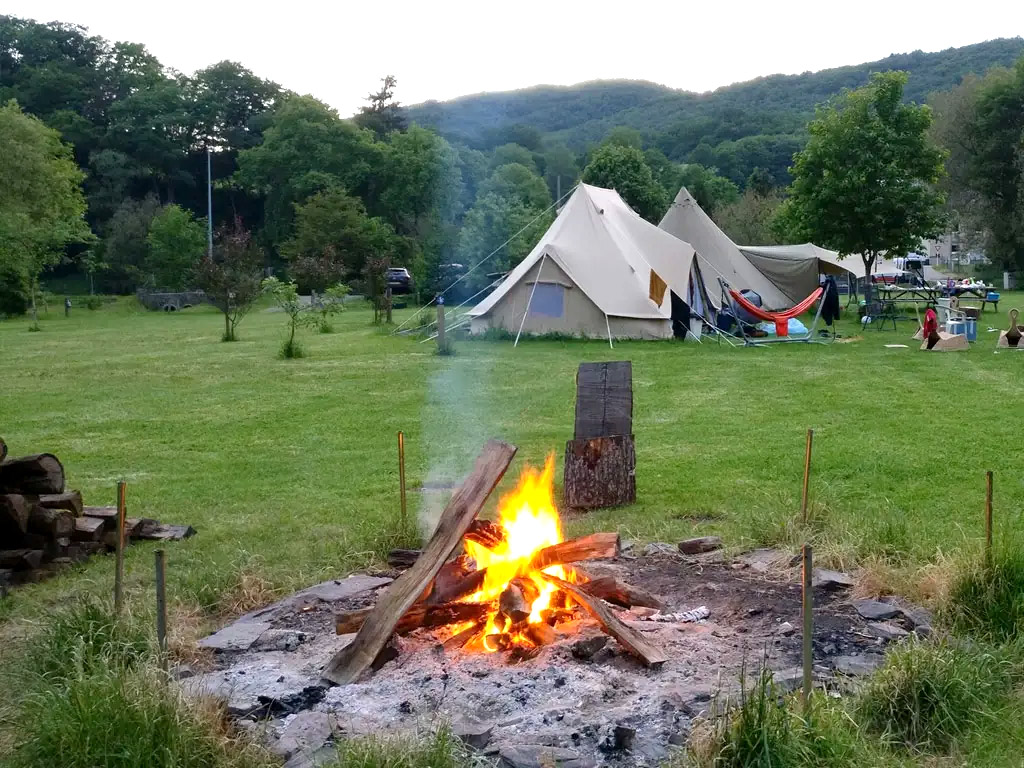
[288, 470]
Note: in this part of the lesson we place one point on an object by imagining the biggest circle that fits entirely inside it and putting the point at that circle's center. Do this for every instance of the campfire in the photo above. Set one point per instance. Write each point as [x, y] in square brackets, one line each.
[507, 588]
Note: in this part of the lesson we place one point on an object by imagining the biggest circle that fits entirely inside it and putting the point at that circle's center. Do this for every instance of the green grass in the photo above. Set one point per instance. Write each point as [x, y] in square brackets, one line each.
[440, 749]
[288, 467]
[986, 598]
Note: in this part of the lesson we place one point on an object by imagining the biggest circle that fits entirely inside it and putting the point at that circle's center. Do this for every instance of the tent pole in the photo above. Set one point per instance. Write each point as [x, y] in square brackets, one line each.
[609, 327]
[530, 301]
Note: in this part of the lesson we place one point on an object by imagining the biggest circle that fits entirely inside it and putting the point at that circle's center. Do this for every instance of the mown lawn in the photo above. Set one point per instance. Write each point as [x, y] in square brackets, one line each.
[288, 468]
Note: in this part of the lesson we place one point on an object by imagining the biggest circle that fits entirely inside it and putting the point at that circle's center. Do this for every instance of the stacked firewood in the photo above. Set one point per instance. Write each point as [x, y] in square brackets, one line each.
[44, 526]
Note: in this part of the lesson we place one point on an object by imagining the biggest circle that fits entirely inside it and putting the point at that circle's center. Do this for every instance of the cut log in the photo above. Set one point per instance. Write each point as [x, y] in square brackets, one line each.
[349, 663]
[38, 474]
[512, 603]
[487, 533]
[21, 559]
[419, 615]
[451, 573]
[13, 516]
[592, 547]
[105, 513]
[628, 638]
[88, 529]
[541, 634]
[3, 449]
[69, 500]
[461, 639]
[600, 472]
[617, 592]
[402, 558]
[53, 523]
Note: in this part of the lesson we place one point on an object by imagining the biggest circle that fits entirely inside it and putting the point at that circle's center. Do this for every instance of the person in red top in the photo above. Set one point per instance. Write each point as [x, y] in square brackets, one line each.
[930, 330]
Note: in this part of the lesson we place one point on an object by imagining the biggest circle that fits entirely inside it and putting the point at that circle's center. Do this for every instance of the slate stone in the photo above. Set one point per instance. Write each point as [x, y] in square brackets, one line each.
[764, 560]
[857, 666]
[239, 636]
[785, 628]
[886, 630]
[474, 733]
[306, 733]
[538, 756]
[326, 592]
[659, 548]
[787, 680]
[920, 618]
[586, 648]
[874, 610]
[280, 640]
[831, 580]
[700, 544]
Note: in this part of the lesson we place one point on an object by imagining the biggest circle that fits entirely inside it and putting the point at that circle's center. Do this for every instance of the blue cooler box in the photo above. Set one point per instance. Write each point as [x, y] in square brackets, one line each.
[972, 329]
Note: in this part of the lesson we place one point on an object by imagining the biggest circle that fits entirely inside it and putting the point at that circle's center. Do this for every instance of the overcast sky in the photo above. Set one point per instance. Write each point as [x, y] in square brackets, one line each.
[338, 51]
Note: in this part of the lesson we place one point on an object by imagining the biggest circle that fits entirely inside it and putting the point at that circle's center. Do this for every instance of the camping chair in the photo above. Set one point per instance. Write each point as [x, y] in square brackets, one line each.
[881, 311]
[781, 319]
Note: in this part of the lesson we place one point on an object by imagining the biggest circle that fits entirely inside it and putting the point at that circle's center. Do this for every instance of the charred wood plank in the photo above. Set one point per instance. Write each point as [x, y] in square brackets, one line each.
[402, 558]
[617, 592]
[41, 473]
[349, 663]
[651, 655]
[419, 615]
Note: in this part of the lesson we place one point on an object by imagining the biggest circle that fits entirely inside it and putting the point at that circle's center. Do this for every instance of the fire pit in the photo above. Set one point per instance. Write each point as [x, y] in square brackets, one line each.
[509, 589]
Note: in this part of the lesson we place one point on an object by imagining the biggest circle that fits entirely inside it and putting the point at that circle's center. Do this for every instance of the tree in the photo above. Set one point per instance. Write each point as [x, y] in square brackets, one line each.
[518, 182]
[710, 190]
[625, 170]
[176, 242]
[623, 136]
[329, 303]
[286, 296]
[383, 113]
[124, 248]
[865, 183]
[231, 277]
[560, 170]
[493, 222]
[750, 219]
[996, 164]
[334, 238]
[512, 153]
[42, 207]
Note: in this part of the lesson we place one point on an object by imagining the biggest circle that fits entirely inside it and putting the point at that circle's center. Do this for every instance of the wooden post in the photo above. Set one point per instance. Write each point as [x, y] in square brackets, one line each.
[161, 606]
[401, 478]
[808, 611]
[119, 550]
[440, 325]
[988, 516]
[807, 473]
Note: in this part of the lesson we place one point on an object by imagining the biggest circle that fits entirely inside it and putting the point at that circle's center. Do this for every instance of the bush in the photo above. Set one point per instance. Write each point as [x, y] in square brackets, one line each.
[291, 349]
[987, 600]
[14, 293]
[930, 694]
[93, 302]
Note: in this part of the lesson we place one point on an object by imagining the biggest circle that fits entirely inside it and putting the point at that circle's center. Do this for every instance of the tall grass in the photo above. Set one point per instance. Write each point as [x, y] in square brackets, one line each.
[986, 599]
[438, 750]
[929, 695]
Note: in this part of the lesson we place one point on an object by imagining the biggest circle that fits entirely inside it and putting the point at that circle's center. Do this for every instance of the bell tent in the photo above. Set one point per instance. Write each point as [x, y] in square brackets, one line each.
[600, 271]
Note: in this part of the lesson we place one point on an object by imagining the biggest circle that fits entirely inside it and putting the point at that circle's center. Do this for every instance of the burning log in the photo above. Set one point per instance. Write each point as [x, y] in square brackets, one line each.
[417, 616]
[541, 634]
[466, 636]
[451, 574]
[628, 638]
[41, 473]
[516, 599]
[592, 547]
[617, 592]
[490, 535]
[349, 663]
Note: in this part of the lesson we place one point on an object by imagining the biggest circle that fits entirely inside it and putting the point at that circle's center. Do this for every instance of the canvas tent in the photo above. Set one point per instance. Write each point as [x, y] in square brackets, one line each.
[718, 256]
[795, 268]
[599, 271]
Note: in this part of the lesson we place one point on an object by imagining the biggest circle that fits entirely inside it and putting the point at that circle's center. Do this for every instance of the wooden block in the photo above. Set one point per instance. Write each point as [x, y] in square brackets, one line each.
[69, 500]
[13, 516]
[41, 473]
[600, 472]
[88, 529]
[21, 559]
[604, 400]
[104, 513]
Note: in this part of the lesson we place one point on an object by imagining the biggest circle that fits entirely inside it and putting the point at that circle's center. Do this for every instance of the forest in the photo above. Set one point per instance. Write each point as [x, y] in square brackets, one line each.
[436, 188]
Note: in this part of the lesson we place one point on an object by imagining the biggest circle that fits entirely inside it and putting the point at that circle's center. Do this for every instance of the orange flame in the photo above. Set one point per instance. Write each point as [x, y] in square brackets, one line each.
[530, 520]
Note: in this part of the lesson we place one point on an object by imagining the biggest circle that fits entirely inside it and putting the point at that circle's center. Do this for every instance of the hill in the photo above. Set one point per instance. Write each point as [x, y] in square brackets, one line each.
[758, 119]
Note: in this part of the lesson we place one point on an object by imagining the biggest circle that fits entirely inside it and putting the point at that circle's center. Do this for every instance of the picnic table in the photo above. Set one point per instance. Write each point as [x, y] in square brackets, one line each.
[980, 292]
[908, 293]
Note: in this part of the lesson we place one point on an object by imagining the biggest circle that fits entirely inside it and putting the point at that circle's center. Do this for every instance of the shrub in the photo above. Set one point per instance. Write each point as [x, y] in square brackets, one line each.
[14, 295]
[93, 302]
[291, 349]
[929, 694]
[987, 600]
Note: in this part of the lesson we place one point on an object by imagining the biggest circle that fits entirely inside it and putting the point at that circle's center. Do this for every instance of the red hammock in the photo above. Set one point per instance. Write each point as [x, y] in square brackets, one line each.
[781, 319]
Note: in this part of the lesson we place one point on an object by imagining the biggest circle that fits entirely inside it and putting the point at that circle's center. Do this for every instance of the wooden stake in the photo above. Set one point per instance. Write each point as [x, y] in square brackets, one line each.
[807, 473]
[119, 550]
[988, 516]
[401, 478]
[161, 606]
[440, 324]
[808, 610]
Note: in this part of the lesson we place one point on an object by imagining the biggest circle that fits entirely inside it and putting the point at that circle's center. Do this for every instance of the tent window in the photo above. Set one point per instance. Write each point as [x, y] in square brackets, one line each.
[657, 288]
[548, 300]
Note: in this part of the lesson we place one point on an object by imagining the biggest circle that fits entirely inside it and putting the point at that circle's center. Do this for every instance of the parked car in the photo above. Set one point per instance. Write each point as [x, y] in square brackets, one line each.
[399, 280]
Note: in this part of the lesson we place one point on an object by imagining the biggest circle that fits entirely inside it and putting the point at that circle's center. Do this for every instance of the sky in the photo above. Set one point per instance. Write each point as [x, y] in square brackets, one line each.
[441, 49]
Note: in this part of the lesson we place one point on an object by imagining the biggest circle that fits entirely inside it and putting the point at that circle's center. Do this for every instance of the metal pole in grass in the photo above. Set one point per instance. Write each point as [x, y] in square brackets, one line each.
[988, 516]
[161, 606]
[808, 610]
[119, 550]
[807, 473]
[401, 476]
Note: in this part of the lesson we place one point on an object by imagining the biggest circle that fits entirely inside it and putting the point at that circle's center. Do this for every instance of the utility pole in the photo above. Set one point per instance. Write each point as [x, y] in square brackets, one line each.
[209, 205]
